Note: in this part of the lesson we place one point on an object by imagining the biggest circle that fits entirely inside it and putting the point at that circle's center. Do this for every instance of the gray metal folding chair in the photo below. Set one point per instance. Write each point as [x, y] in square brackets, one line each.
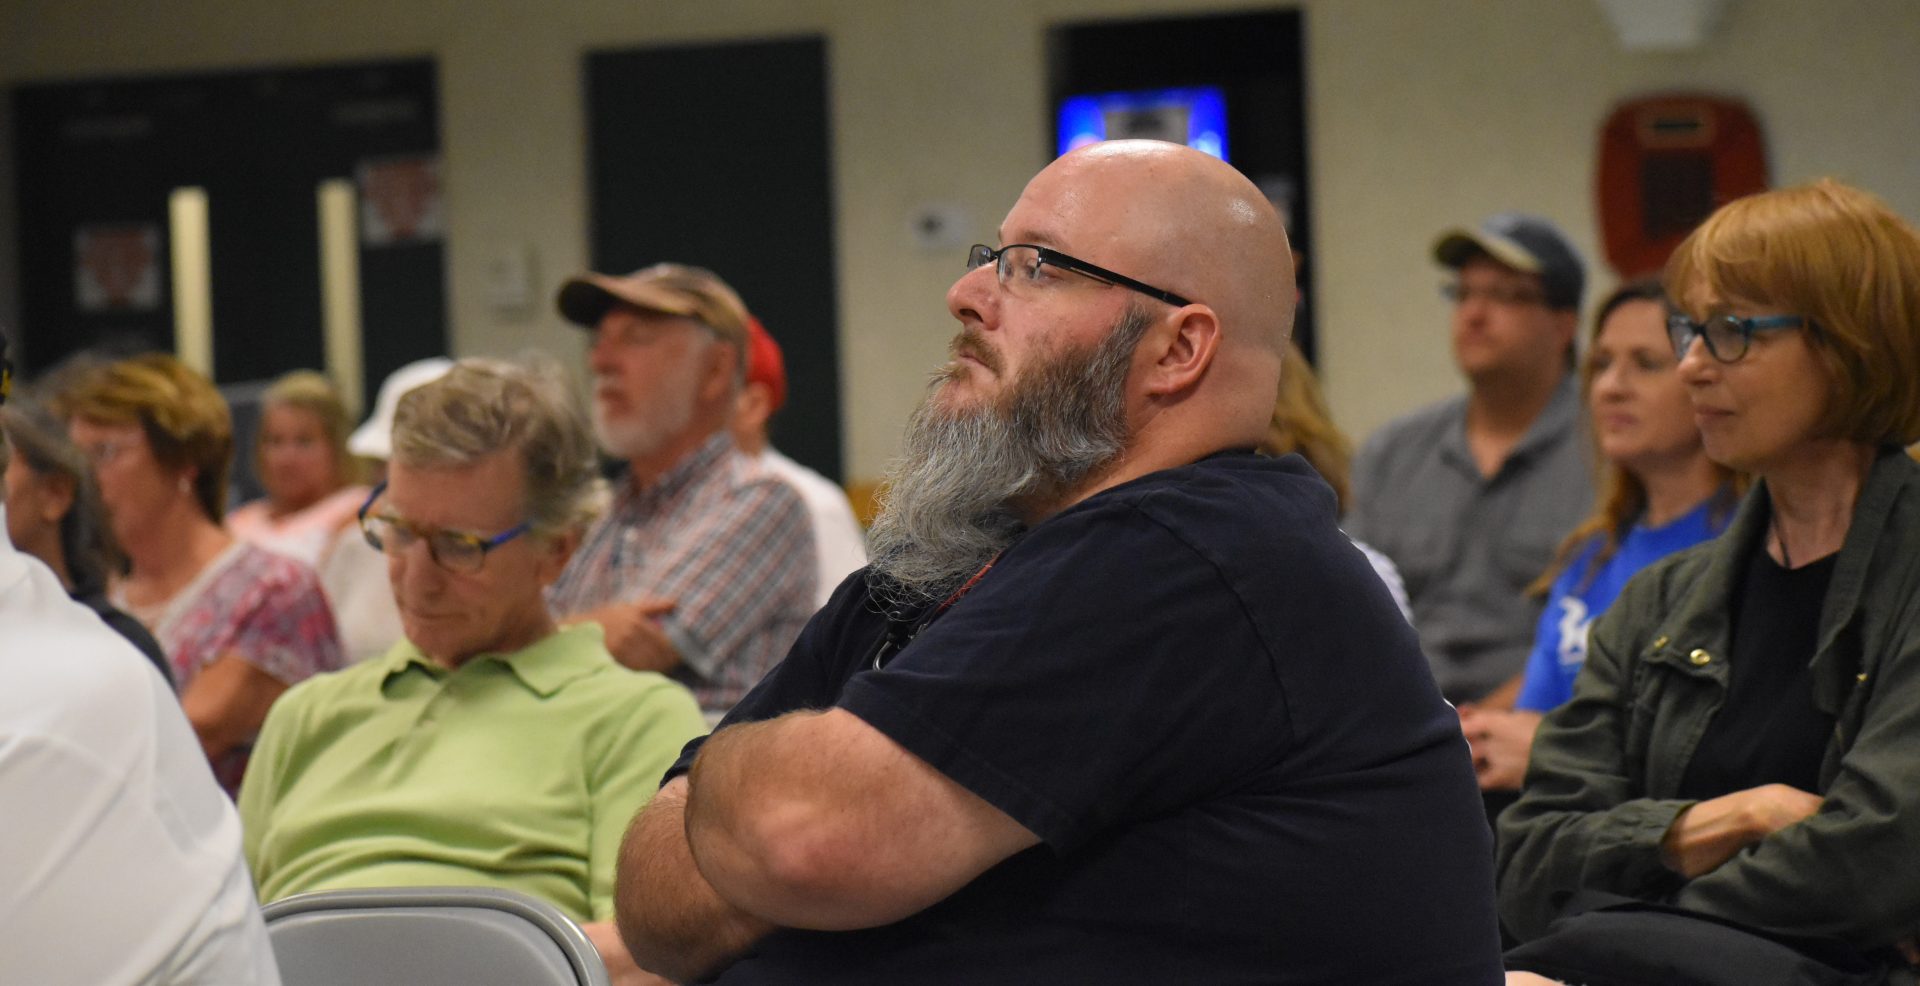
[429, 936]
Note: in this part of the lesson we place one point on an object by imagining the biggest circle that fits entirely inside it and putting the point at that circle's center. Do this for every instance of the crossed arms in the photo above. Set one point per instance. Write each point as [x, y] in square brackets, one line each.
[812, 820]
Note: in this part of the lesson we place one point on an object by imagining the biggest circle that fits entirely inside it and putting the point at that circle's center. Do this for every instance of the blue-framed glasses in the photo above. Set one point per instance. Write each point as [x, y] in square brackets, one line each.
[1727, 336]
[1023, 264]
[455, 551]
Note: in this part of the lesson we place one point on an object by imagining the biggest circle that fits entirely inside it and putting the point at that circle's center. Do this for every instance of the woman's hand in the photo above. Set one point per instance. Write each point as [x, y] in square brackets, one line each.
[1711, 832]
[1501, 740]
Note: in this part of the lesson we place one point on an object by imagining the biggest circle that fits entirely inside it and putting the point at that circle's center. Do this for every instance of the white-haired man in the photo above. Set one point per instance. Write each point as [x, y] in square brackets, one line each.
[704, 567]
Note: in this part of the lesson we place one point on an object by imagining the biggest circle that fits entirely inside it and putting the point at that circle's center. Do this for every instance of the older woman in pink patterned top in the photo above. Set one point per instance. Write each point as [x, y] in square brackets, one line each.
[239, 624]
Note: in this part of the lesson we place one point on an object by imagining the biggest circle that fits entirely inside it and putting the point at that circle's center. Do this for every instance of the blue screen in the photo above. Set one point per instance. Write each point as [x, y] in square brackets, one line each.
[1148, 113]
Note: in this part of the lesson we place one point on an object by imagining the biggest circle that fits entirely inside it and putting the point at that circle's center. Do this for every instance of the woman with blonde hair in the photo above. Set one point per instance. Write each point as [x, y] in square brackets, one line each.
[1303, 423]
[239, 624]
[1741, 741]
[1660, 494]
[301, 458]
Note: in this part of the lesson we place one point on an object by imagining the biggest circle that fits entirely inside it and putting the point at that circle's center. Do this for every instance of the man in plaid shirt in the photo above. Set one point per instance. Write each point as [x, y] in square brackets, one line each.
[703, 568]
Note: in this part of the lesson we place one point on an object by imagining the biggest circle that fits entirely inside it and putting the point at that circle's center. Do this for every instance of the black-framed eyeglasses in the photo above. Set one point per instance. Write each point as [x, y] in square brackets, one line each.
[1025, 264]
[455, 551]
[1727, 336]
[1499, 294]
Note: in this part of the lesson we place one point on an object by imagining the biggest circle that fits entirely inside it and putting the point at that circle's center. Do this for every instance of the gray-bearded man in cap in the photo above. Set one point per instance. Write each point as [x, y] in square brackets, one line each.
[703, 568]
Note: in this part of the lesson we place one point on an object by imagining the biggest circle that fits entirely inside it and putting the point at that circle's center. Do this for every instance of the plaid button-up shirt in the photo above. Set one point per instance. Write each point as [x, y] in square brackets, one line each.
[725, 539]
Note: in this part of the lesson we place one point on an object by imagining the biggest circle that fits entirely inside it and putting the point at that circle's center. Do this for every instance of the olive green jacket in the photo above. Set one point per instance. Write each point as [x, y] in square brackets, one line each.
[1600, 791]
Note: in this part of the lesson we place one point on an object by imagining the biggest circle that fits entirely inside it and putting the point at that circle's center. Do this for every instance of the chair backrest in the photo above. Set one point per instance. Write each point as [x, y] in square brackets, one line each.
[429, 936]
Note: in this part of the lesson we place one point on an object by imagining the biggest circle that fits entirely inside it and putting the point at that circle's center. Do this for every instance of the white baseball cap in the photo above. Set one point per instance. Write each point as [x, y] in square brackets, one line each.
[374, 439]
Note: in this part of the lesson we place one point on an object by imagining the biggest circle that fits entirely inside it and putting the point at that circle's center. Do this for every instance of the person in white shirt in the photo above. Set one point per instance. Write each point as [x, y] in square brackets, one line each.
[838, 541]
[121, 860]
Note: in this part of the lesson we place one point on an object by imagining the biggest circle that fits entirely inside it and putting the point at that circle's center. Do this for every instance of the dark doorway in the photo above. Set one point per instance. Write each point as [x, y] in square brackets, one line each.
[1255, 59]
[98, 160]
[720, 156]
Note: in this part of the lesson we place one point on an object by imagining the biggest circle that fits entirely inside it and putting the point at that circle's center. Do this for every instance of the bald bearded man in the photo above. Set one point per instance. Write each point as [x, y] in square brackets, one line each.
[1115, 700]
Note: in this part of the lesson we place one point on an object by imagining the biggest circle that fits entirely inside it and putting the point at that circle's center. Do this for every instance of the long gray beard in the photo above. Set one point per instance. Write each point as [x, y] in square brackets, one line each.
[948, 503]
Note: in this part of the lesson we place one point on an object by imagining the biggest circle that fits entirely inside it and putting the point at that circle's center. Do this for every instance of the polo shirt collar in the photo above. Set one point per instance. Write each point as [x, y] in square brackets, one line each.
[544, 667]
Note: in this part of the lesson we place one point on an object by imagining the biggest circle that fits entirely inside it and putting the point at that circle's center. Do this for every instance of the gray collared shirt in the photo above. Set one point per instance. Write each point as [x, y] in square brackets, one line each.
[1466, 544]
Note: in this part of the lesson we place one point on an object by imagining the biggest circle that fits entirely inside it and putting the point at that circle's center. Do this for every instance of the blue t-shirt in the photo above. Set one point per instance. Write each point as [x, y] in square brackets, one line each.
[1560, 642]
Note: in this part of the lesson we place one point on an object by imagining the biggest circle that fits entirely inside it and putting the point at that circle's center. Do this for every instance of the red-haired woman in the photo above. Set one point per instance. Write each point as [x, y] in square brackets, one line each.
[1741, 741]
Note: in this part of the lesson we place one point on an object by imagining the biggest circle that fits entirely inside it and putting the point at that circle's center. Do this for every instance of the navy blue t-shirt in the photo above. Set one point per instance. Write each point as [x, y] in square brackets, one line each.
[1197, 693]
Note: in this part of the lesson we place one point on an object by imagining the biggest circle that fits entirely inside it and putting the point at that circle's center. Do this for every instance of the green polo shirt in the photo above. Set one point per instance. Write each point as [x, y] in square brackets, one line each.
[518, 770]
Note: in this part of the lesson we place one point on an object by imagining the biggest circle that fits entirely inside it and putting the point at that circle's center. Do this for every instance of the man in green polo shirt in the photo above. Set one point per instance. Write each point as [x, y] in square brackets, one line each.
[489, 747]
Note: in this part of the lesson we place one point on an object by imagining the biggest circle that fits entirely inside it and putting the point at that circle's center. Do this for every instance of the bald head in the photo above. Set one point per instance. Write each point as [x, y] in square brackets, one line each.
[1205, 374]
[1135, 320]
[1181, 220]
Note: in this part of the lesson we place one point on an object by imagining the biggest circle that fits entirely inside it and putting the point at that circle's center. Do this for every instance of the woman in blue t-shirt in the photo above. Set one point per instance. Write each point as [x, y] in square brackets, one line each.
[1661, 494]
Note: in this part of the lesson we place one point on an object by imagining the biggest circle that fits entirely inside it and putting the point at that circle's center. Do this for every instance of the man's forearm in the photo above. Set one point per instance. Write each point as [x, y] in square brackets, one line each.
[747, 828]
[670, 918]
[816, 820]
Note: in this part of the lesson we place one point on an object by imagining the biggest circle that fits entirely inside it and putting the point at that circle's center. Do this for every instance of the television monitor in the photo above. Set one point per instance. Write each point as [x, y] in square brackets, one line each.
[1195, 116]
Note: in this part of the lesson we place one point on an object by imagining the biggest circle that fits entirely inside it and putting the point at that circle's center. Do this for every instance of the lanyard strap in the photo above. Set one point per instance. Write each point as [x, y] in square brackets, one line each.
[892, 643]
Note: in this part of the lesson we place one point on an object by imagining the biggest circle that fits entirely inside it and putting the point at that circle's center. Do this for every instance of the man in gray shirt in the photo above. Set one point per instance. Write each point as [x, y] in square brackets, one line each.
[1471, 496]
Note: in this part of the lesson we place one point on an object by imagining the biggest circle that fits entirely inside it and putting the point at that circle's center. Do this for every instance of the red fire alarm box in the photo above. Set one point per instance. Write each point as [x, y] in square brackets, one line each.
[1666, 162]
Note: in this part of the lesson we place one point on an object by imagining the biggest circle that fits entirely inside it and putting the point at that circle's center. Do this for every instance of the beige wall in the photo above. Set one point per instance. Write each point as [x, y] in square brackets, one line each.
[1423, 113]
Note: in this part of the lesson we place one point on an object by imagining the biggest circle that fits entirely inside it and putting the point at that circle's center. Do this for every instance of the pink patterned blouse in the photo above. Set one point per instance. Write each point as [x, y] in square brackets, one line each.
[263, 607]
[304, 534]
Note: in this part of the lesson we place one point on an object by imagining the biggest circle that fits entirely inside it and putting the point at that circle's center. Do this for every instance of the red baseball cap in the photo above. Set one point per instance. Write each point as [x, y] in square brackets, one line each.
[765, 364]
